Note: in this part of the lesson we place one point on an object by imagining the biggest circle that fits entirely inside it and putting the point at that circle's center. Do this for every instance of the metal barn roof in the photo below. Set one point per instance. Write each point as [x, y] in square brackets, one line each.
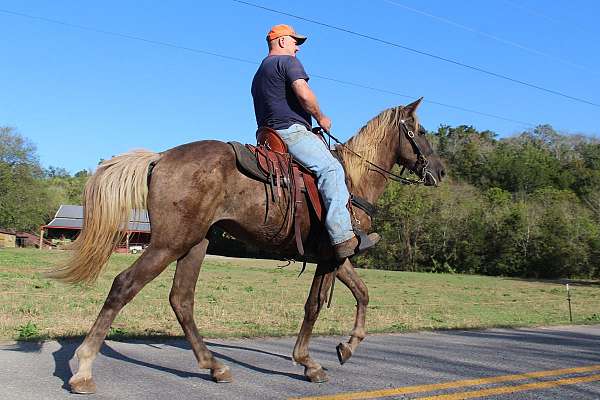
[71, 217]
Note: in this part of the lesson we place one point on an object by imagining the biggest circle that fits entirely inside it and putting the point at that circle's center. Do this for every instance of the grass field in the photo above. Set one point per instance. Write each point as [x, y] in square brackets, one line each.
[238, 297]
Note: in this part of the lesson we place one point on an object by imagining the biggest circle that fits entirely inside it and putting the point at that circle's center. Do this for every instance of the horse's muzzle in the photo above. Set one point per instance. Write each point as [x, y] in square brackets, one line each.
[429, 179]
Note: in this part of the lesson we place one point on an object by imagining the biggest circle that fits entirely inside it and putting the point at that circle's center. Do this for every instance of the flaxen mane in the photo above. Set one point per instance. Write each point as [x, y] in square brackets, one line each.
[369, 141]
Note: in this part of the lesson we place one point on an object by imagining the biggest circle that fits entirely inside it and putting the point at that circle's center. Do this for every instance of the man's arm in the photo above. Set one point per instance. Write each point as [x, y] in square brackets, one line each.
[308, 100]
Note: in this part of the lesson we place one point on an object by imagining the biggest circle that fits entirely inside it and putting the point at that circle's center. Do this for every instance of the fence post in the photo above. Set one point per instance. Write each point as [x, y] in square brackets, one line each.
[569, 300]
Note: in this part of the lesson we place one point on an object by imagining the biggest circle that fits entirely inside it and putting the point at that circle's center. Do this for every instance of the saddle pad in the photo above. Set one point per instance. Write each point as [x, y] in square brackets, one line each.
[246, 161]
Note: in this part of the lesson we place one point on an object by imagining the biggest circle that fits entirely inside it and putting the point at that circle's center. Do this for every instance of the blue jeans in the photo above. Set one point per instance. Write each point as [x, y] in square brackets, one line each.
[313, 154]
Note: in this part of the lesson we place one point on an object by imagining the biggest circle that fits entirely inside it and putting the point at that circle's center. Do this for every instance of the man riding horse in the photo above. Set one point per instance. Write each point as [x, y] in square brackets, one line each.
[193, 187]
[283, 101]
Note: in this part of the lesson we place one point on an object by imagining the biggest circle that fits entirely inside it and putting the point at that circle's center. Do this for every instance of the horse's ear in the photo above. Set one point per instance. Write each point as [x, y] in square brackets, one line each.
[412, 107]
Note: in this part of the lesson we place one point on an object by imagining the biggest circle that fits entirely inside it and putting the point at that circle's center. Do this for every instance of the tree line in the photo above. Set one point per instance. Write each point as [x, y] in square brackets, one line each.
[29, 193]
[525, 206]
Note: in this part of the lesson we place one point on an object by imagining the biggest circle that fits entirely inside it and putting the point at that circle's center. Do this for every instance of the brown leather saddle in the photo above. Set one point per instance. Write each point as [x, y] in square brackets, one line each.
[285, 174]
[270, 162]
[273, 158]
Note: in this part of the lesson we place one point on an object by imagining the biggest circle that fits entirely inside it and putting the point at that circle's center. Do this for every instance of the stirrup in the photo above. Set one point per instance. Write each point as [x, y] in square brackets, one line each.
[364, 241]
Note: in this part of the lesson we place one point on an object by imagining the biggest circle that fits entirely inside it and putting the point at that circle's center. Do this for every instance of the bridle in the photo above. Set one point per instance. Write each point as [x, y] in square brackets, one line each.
[421, 167]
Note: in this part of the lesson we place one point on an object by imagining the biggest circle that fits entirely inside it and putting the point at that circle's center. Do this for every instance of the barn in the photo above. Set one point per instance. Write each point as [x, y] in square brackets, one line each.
[8, 239]
[68, 222]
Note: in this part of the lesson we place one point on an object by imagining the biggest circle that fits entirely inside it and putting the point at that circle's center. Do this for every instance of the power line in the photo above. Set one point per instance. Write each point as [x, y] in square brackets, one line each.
[242, 60]
[561, 22]
[126, 36]
[424, 101]
[490, 36]
[424, 53]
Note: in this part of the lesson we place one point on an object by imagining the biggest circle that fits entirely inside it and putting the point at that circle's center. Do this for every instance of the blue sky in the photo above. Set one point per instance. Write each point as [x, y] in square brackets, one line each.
[81, 95]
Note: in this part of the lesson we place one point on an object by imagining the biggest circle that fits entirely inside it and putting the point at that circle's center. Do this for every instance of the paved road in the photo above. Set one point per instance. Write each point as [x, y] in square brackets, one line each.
[469, 364]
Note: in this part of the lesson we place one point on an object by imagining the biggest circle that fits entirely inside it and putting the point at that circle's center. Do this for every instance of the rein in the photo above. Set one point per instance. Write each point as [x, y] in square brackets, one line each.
[421, 159]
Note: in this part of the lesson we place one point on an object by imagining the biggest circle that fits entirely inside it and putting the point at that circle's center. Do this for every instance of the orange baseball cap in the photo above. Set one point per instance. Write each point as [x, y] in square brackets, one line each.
[284, 30]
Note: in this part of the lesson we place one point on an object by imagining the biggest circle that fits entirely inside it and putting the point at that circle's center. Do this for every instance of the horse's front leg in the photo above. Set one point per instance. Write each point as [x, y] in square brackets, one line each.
[316, 298]
[347, 274]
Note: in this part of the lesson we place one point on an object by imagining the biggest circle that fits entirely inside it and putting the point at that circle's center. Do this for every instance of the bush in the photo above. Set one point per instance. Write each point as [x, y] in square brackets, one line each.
[28, 331]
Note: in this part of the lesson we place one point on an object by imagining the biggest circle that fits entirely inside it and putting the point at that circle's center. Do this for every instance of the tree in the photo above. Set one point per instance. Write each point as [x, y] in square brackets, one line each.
[15, 149]
[525, 206]
[465, 149]
[64, 188]
[23, 200]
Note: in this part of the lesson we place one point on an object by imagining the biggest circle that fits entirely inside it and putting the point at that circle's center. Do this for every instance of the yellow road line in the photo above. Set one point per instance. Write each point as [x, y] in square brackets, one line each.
[512, 389]
[450, 385]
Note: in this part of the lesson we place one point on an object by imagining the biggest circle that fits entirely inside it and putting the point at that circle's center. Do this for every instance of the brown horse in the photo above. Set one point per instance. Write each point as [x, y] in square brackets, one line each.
[198, 185]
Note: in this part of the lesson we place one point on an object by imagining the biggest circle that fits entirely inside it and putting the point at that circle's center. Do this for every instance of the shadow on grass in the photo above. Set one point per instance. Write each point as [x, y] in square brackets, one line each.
[572, 282]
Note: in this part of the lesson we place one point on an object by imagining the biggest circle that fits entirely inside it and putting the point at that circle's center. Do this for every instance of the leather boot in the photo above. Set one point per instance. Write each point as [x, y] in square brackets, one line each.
[352, 247]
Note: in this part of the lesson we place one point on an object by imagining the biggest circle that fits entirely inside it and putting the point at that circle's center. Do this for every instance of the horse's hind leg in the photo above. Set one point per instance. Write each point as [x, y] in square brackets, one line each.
[124, 288]
[316, 298]
[182, 301]
[347, 274]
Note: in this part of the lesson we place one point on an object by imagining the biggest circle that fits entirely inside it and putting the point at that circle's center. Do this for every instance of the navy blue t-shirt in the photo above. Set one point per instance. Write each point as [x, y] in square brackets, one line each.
[275, 103]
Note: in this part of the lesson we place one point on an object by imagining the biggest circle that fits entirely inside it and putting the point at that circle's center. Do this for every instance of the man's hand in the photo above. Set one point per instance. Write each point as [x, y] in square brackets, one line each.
[325, 123]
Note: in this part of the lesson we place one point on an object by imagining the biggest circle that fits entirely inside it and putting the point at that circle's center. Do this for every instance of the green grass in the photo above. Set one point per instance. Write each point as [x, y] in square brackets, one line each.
[242, 298]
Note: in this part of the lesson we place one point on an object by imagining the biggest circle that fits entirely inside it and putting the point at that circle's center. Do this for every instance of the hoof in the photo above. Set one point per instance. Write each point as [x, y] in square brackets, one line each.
[221, 375]
[82, 386]
[344, 352]
[316, 375]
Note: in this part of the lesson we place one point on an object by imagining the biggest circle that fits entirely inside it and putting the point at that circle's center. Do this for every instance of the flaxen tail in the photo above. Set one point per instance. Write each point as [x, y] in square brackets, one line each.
[118, 186]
